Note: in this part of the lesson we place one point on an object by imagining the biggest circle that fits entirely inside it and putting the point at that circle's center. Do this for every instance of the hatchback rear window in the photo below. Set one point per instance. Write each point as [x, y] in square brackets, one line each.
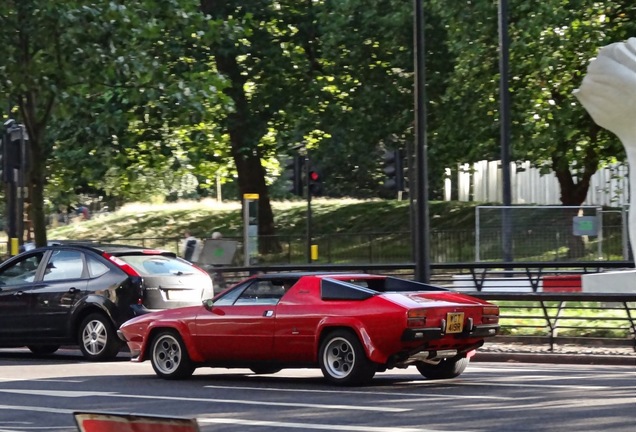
[149, 265]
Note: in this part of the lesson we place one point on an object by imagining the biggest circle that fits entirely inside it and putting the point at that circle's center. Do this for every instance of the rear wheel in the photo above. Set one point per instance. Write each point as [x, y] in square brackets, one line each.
[97, 338]
[169, 356]
[343, 360]
[447, 368]
[43, 349]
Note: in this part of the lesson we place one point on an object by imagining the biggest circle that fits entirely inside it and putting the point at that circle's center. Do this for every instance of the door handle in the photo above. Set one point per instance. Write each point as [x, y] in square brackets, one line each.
[73, 290]
[18, 293]
[268, 313]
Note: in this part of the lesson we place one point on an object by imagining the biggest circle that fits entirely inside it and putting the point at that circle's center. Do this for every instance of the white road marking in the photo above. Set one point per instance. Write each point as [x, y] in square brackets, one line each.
[38, 409]
[35, 428]
[236, 421]
[313, 426]
[353, 392]
[41, 380]
[74, 394]
[526, 385]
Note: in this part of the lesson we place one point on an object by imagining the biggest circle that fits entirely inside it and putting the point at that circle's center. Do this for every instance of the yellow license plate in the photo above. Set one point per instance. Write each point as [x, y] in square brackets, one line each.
[454, 322]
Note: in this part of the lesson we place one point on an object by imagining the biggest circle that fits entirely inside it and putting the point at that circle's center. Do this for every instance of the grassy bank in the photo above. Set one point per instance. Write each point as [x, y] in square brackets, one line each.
[204, 217]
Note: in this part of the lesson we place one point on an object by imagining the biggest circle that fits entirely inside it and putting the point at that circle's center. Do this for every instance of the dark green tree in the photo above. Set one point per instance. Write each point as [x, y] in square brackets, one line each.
[59, 58]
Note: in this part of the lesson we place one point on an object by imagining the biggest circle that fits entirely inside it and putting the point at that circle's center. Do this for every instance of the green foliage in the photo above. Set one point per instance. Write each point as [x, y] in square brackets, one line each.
[551, 44]
[155, 100]
[105, 88]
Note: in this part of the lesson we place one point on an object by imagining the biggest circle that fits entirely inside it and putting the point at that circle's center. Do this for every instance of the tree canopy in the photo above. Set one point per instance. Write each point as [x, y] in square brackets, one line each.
[138, 100]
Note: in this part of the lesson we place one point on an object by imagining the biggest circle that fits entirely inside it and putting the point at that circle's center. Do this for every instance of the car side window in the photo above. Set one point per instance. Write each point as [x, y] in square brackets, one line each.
[22, 271]
[261, 292]
[95, 268]
[65, 264]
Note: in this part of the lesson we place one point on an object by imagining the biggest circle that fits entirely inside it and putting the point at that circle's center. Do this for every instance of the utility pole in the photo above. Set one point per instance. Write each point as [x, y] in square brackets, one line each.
[504, 118]
[421, 225]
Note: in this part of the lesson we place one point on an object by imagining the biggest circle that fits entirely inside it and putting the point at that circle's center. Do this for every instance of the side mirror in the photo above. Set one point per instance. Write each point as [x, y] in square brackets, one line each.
[208, 304]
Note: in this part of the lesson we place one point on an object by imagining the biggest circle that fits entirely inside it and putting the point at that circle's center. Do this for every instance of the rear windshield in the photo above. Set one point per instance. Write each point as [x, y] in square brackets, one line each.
[391, 284]
[149, 265]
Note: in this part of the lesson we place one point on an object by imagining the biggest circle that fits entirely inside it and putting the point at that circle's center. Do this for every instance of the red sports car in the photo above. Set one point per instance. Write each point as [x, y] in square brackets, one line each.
[349, 325]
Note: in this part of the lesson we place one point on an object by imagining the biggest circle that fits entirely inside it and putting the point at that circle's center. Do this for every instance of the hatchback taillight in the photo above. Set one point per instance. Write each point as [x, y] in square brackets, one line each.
[121, 264]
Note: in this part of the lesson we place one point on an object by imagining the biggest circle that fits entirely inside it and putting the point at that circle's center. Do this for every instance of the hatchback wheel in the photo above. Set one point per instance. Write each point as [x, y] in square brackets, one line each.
[169, 356]
[97, 338]
[447, 368]
[343, 360]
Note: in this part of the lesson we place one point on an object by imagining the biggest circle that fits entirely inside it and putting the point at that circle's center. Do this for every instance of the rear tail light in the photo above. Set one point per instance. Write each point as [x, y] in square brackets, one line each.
[416, 318]
[490, 314]
[121, 264]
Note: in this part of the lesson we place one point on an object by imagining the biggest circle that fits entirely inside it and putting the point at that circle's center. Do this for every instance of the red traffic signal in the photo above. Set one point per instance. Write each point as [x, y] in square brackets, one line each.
[315, 182]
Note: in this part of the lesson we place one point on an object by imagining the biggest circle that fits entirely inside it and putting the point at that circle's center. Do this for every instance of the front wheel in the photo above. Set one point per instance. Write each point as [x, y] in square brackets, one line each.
[97, 338]
[447, 368]
[169, 356]
[343, 360]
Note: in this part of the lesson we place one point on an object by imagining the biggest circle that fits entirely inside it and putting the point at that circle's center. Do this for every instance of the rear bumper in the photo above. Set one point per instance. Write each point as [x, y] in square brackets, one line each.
[432, 333]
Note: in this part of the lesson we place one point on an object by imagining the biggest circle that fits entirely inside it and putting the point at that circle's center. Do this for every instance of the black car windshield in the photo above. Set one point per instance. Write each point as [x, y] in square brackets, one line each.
[151, 265]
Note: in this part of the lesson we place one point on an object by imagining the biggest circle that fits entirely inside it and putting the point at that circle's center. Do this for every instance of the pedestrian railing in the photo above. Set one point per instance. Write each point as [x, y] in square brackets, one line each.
[565, 316]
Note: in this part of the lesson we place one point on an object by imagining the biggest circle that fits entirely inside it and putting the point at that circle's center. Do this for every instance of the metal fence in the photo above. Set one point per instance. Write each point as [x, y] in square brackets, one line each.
[554, 317]
[445, 246]
[551, 232]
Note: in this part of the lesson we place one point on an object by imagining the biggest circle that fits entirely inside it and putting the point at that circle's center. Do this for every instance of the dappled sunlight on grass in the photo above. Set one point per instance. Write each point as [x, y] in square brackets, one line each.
[207, 204]
[202, 218]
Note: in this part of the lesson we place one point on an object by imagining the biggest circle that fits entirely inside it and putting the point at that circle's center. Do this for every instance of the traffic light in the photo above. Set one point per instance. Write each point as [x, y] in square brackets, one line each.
[293, 174]
[315, 182]
[15, 150]
[394, 170]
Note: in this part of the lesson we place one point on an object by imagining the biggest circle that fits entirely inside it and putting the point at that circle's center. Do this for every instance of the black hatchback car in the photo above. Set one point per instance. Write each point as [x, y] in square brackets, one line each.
[79, 294]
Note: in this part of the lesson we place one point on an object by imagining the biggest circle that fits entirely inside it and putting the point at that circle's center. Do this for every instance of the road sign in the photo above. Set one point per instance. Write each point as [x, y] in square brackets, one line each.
[113, 422]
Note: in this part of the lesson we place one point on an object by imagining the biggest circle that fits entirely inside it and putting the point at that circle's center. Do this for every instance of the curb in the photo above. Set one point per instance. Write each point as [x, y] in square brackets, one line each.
[554, 358]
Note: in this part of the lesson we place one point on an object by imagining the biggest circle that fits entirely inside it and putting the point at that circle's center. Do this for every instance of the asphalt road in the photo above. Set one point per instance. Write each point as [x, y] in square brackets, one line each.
[42, 394]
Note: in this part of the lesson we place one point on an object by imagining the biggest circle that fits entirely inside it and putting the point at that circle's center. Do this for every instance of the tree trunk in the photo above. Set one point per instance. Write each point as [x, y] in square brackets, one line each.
[245, 130]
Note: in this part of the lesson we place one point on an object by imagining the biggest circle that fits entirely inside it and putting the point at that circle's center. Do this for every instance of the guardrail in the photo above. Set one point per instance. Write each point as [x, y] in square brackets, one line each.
[546, 314]
[518, 288]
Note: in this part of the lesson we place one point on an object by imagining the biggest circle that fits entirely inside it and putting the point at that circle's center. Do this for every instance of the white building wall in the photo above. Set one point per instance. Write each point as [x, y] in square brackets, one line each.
[483, 182]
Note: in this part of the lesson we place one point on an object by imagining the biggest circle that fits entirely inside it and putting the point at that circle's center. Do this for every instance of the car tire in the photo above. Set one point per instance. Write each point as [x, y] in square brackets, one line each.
[169, 356]
[43, 349]
[343, 360]
[445, 369]
[97, 338]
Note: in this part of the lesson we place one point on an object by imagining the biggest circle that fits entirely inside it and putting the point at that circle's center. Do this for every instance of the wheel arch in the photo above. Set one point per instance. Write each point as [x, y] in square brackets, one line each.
[358, 329]
[183, 333]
